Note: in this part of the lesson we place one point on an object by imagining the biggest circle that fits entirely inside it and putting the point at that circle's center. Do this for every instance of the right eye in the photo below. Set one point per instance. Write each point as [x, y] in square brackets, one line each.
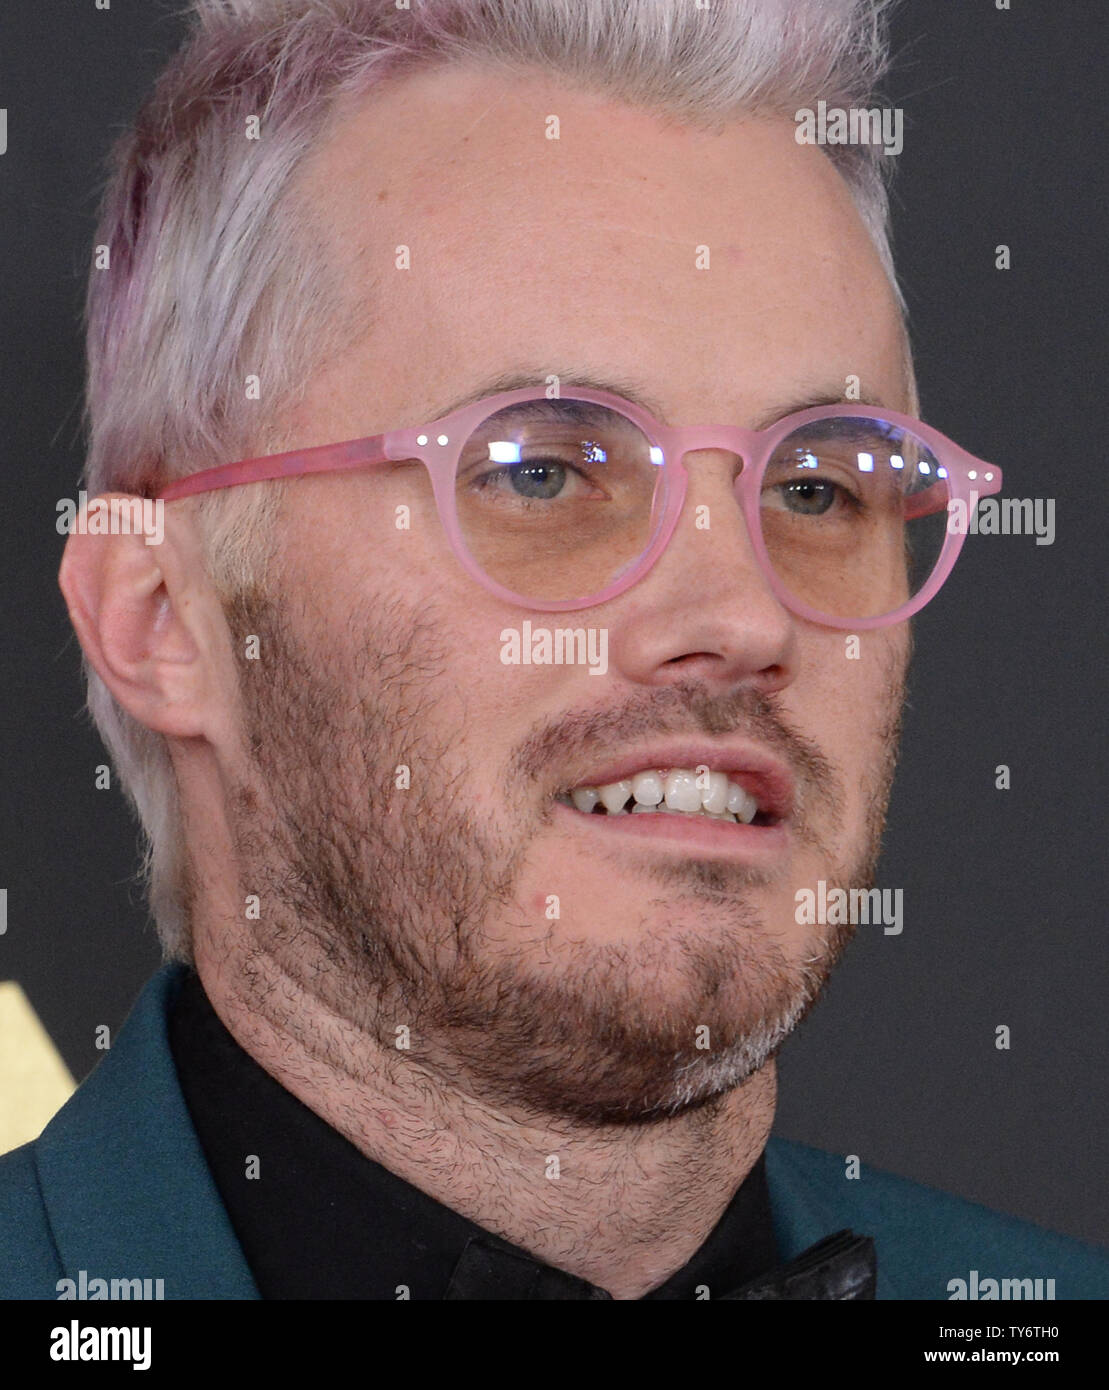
[537, 478]
[534, 480]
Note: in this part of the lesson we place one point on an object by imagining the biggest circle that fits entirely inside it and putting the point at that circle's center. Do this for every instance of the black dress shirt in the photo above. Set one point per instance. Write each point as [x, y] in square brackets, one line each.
[323, 1221]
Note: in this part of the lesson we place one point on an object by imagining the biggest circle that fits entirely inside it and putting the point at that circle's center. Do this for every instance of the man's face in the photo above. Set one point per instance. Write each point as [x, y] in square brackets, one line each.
[601, 968]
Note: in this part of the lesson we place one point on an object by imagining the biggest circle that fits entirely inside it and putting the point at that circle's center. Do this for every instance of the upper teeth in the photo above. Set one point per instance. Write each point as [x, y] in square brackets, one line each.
[679, 788]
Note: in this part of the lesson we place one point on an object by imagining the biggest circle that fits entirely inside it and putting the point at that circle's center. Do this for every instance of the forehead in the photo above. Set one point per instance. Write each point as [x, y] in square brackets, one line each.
[731, 263]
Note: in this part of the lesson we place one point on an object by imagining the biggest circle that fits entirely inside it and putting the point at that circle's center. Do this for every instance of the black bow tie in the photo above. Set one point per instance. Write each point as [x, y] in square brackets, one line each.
[840, 1267]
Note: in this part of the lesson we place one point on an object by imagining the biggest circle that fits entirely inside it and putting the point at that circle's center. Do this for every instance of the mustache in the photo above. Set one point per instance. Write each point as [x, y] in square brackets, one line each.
[685, 708]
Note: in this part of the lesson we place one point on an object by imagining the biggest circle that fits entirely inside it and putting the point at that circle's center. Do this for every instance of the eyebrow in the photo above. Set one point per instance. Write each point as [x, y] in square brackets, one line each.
[810, 401]
[632, 391]
[518, 381]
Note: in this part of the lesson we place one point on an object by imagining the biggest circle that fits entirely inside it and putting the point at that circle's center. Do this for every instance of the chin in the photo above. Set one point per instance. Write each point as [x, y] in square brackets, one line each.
[622, 1043]
[642, 1098]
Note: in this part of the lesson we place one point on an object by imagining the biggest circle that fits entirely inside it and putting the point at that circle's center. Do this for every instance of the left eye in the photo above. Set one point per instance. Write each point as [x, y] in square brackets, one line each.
[807, 496]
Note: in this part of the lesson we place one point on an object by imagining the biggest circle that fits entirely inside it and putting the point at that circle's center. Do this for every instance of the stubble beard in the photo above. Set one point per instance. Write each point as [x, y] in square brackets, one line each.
[377, 897]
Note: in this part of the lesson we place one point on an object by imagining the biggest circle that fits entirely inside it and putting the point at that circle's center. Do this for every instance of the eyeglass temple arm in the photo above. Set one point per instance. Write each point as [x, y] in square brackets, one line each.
[936, 497]
[324, 458]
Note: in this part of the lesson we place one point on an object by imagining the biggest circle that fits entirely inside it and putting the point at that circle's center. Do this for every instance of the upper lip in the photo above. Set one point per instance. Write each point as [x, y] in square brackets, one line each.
[767, 779]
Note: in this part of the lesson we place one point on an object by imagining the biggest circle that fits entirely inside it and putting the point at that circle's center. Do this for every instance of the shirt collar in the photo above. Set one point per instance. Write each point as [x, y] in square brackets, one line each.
[317, 1219]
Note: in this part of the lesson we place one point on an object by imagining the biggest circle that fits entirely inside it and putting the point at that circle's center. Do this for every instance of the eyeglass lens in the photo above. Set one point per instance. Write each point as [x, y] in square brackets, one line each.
[557, 498]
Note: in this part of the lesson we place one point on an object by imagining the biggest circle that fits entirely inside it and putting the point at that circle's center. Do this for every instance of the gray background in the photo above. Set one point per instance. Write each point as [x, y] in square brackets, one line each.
[1004, 891]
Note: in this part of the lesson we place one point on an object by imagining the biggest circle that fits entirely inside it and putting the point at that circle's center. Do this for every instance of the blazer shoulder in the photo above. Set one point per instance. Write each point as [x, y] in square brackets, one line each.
[29, 1264]
[117, 1185]
[931, 1244]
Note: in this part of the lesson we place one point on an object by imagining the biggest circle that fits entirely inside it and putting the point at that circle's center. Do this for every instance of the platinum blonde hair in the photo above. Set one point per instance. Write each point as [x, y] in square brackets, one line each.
[212, 270]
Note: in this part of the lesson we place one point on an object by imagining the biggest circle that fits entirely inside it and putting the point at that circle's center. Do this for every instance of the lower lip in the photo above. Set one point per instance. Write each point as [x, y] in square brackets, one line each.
[721, 837]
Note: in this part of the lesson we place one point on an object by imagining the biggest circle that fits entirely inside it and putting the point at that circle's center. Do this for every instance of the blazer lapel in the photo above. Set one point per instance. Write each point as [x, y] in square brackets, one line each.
[810, 1198]
[124, 1181]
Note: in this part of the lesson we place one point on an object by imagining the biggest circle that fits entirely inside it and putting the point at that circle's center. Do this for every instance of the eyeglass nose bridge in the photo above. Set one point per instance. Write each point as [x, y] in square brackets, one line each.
[679, 441]
[676, 443]
[732, 439]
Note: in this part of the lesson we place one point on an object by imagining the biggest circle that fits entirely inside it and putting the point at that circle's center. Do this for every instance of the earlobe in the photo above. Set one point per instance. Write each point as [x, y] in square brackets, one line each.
[137, 610]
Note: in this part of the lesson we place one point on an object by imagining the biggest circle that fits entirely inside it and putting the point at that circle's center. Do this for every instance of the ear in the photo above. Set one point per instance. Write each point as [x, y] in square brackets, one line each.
[150, 623]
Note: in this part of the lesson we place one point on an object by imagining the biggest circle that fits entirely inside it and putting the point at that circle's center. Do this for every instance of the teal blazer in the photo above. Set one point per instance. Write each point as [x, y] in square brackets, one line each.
[117, 1185]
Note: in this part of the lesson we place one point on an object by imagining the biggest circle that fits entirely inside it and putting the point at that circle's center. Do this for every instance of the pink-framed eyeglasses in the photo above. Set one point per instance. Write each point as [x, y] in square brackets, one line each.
[562, 503]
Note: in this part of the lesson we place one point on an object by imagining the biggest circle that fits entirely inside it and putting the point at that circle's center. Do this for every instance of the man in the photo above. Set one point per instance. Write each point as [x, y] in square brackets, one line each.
[487, 759]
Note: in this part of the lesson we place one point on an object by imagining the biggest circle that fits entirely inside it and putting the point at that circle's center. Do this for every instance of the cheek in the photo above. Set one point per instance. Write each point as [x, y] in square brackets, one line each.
[361, 535]
[853, 690]
[467, 707]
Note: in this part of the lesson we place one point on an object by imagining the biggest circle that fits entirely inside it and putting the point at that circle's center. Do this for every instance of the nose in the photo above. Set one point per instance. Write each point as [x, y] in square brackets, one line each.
[706, 609]
[711, 531]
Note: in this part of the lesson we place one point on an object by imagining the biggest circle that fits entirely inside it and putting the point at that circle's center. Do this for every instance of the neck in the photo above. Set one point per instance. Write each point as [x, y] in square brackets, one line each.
[611, 1204]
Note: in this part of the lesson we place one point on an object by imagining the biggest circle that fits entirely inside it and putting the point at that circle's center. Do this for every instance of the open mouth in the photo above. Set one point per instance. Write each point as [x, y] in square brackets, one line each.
[742, 799]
